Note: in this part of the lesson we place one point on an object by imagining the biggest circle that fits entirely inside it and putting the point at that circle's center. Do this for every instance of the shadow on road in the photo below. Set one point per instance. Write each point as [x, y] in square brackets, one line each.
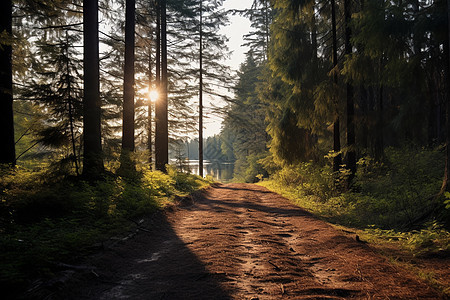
[253, 203]
[152, 265]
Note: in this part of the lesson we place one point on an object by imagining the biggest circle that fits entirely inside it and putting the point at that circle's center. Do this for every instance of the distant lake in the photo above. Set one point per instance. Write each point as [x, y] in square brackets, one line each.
[220, 171]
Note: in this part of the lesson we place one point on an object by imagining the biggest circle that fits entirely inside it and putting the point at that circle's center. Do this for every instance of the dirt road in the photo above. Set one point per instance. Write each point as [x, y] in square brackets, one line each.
[240, 241]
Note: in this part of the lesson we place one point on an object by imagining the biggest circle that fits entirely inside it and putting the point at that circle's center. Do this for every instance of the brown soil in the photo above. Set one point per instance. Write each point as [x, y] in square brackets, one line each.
[241, 241]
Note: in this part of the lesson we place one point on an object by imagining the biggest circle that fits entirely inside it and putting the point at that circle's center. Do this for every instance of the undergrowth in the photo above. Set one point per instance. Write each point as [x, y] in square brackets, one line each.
[389, 198]
[47, 218]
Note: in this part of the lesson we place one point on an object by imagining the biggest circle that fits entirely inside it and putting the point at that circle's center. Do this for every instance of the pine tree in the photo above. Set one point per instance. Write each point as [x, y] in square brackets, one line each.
[243, 136]
[56, 88]
[260, 15]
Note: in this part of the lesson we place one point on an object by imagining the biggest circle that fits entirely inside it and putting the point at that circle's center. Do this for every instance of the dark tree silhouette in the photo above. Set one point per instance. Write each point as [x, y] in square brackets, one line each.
[200, 96]
[128, 83]
[92, 160]
[351, 155]
[162, 128]
[7, 150]
[336, 125]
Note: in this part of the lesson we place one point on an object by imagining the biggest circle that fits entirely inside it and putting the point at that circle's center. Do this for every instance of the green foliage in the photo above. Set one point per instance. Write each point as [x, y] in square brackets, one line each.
[390, 195]
[447, 200]
[49, 219]
[243, 136]
[430, 241]
[403, 185]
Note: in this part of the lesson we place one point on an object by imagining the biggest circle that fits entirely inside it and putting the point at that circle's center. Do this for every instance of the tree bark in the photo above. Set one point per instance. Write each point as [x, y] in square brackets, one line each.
[379, 137]
[200, 104]
[128, 85]
[92, 139]
[337, 161]
[351, 155]
[446, 178]
[70, 106]
[7, 150]
[149, 107]
[162, 128]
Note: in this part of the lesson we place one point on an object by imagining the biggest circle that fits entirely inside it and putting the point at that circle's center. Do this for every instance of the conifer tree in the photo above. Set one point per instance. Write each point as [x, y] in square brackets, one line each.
[56, 87]
[260, 15]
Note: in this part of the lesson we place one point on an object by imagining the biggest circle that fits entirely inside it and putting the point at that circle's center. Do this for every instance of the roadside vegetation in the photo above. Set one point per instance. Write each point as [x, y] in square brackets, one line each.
[49, 219]
[392, 205]
[395, 199]
[346, 114]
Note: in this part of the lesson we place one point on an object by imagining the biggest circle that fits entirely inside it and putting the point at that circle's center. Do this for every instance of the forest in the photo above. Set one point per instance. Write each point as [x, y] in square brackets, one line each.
[341, 106]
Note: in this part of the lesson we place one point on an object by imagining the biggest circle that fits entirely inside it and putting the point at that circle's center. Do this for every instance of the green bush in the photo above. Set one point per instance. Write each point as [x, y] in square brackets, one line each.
[391, 194]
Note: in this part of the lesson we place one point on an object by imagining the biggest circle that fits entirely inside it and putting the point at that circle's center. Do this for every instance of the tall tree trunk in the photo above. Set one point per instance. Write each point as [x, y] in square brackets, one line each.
[128, 83]
[200, 104]
[70, 105]
[162, 128]
[266, 25]
[351, 155]
[158, 47]
[444, 186]
[157, 59]
[337, 161]
[7, 150]
[314, 31]
[149, 107]
[379, 136]
[364, 106]
[92, 139]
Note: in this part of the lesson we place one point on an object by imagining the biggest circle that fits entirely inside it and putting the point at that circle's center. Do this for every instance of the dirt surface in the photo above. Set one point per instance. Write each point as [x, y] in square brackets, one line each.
[241, 241]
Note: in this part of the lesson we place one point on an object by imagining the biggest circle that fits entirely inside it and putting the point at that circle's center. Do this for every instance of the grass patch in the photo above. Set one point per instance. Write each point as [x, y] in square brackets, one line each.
[382, 206]
[47, 219]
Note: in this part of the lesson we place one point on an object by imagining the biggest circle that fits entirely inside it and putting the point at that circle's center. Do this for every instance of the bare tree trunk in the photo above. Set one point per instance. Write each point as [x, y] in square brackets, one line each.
[70, 104]
[162, 128]
[128, 82]
[200, 104]
[266, 25]
[351, 155]
[447, 106]
[92, 138]
[379, 136]
[337, 161]
[7, 150]
[149, 107]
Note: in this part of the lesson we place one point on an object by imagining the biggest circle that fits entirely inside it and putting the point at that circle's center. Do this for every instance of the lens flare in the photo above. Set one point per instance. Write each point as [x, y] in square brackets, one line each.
[153, 95]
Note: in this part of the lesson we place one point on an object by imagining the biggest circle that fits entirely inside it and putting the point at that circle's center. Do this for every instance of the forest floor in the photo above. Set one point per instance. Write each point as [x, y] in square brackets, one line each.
[241, 241]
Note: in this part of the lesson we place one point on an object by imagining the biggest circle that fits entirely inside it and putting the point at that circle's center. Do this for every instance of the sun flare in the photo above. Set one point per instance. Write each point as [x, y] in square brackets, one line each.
[153, 95]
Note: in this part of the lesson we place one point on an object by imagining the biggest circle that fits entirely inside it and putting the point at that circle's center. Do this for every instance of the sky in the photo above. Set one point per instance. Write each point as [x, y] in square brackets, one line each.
[238, 27]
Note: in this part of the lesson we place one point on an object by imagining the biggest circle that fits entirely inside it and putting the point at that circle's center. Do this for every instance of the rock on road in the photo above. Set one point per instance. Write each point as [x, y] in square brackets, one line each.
[241, 241]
